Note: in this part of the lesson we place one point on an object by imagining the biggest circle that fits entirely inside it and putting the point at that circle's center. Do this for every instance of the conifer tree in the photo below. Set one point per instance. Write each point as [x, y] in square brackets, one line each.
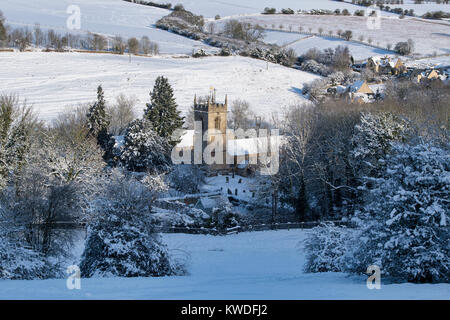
[162, 110]
[98, 120]
[3, 32]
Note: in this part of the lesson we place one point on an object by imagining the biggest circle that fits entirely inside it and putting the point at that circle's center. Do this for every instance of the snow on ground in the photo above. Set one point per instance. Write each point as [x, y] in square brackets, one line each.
[210, 8]
[420, 8]
[256, 265]
[437, 62]
[109, 17]
[429, 36]
[282, 38]
[359, 51]
[219, 183]
[52, 82]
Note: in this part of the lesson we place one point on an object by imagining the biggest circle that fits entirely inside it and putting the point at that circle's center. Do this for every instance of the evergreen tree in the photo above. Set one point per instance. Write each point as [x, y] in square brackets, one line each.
[406, 234]
[162, 110]
[143, 149]
[3, 32]
[98, 120]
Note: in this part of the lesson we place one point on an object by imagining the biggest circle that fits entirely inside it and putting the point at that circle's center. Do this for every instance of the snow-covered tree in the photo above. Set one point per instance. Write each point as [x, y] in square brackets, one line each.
[326, 247]
[20, 263]
[98, 120]
[187, 178]
[121, 239]
[162, 110]
[144, 149]
[405, 227]
[375, 133]
[16, 125]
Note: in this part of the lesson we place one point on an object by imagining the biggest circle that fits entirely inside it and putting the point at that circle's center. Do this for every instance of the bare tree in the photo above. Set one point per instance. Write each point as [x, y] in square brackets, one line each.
[121, 113]
[119, 45]
[145, 45]
[133, 45]
[38, 35]
[241, 117]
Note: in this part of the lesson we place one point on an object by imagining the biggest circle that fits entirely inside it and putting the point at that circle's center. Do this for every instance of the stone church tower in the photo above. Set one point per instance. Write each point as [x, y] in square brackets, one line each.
[213, 116]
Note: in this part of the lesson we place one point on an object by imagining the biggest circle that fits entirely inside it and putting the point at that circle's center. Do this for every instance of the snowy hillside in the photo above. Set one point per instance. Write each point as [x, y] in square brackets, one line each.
[256, 265]
[109, 17]
[75, 77]
[429, 36]
[210, 8]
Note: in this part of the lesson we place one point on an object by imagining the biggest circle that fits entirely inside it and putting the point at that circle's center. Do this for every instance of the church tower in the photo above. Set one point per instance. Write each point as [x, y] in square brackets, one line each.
[213, 116]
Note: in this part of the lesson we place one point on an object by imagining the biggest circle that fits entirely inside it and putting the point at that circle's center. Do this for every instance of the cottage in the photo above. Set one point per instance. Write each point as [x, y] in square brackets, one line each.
[384, 65]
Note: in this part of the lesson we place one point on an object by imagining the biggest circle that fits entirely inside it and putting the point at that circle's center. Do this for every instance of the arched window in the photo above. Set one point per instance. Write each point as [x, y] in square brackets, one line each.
[217, 123]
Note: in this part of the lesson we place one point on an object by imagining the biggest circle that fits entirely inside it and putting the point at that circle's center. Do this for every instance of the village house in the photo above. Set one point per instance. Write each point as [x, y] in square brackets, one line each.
[385, 65]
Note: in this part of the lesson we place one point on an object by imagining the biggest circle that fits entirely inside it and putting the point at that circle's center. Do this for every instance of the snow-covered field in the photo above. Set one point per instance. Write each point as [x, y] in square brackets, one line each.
[256, 265]
[359, 51]
[420, 9]
[53, 82]
[109, 17]
[442, 61]
[429, 36]
[210, 8]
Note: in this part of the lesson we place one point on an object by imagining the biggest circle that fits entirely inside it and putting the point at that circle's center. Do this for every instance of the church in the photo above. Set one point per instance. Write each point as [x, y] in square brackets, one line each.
[222, 149]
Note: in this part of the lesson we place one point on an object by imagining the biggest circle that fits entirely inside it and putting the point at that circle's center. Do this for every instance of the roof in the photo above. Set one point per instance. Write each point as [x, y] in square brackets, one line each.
[236, 147]
[356, 85]
[242, 147]
[187, 139]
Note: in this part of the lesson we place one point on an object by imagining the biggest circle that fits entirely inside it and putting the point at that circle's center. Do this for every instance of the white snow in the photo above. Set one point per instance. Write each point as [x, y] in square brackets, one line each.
[108, 17]
[210, 8]
[429, 36]
[257, 265]
[52, 82]
[358, 51]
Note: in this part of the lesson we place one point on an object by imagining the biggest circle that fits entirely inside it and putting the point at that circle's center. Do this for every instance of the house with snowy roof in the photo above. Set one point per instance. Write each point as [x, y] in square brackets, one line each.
[385, 65]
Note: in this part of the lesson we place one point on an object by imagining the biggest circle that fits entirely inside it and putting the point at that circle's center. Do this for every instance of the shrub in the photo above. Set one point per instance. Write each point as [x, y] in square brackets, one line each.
[326, 248]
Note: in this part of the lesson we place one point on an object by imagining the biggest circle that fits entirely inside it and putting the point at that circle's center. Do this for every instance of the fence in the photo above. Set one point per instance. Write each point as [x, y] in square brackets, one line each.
[248, 228]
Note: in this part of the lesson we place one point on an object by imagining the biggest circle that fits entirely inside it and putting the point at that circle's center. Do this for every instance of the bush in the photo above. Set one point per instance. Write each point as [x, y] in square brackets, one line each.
[326, 247]
[19, 263]
[405, 48]
[287, 11]
[179, 7]
[269, 10]
[186, 178]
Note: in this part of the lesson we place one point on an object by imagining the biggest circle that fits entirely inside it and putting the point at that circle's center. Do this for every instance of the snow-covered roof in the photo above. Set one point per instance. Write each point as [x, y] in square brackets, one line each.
[242, 147]
[187, 139]
[341, 89]
[236, 147]
[356, 85]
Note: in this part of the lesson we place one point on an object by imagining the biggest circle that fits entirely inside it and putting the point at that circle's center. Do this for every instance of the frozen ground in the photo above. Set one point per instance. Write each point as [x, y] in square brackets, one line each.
[52, 82]
[442, 61]
[109, 17]
[257, 265]
[358, 51]
[282, 38]
[210, 8]
[429, 36]
[420, 9]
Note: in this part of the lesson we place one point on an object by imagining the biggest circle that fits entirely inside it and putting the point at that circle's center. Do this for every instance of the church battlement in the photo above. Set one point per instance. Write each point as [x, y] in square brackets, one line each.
[211, 105]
